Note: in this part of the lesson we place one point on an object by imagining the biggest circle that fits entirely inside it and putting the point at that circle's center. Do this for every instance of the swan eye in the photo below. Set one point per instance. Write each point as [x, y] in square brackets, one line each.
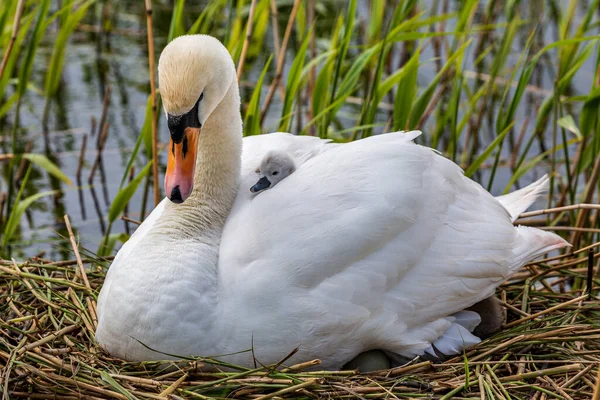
[201, 97]
[275, 173]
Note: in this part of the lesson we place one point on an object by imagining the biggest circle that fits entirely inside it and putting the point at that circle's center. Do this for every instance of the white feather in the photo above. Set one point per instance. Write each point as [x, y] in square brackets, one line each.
[520, 200]
[374, 244]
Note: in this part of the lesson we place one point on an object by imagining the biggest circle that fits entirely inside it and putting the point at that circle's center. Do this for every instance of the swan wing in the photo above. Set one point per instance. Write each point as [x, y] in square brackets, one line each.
[382, 236]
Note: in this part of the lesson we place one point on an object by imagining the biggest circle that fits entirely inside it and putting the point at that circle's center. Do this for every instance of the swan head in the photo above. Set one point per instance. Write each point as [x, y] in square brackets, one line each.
[274, 167]
[194, 75]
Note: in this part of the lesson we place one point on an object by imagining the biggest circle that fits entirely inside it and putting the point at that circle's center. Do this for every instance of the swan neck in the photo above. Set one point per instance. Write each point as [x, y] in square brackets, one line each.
[217, 175]
[219, 154]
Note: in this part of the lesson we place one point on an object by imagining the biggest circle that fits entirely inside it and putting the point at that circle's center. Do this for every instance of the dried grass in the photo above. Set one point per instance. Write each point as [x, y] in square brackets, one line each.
[549, 349]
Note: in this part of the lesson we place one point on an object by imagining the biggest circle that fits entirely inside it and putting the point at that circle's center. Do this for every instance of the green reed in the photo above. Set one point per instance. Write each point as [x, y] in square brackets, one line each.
[350, 72]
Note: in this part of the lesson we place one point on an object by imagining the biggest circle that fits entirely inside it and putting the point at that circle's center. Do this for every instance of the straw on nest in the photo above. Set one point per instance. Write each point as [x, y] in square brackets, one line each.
[550, 348]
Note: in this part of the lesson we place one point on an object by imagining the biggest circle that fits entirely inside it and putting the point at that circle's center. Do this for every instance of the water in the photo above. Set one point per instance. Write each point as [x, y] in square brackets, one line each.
[95, 62]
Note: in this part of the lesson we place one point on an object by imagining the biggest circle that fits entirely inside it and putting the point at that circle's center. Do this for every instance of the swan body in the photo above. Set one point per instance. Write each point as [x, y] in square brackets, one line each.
[374, 244]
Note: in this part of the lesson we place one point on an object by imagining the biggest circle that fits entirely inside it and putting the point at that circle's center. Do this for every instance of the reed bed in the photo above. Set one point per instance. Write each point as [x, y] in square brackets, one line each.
[549, 347]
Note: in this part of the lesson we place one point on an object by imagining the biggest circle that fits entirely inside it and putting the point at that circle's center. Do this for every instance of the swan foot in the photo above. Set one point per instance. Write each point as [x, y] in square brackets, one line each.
[492, 316]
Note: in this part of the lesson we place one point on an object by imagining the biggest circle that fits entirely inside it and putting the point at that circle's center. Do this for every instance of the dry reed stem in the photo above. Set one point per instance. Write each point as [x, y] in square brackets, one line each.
[246, 44]
[104, 115]
[544, 312]
[289, 389]
[301, 366]
[7, 156]
[515, 151]
[558, 389]
[589, 193]
[543, 372]
[101, 142]
[48, 338]
[566, 255]
[81, 159]
[280, 61]
[174, 386]
[13, 36]
[568, 228]
[133, 221]
[151, 68]
[514, 309]
[23, 164]
[275, 27]
[597, 388]
[499, 347]
[276, 38]
[81, 269]
[573, 207]
[26, 275]
[408, 368]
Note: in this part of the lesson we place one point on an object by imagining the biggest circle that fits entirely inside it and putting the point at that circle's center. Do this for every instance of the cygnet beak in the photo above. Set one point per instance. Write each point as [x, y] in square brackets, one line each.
[262, 184]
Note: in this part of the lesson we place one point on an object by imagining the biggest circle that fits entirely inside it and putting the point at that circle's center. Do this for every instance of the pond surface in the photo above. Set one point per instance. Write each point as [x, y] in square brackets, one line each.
[117, 64]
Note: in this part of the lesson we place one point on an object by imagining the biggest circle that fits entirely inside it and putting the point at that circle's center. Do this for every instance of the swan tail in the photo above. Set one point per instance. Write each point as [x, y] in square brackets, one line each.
[520, 200]
[533, 243]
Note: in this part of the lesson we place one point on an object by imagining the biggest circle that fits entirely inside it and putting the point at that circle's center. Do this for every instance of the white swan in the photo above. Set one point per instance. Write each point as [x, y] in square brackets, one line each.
[274, 167]
[375, 244]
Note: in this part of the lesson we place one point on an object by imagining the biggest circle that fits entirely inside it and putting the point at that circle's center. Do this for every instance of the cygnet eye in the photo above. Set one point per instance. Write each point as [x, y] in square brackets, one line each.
[257, 171]
[275, 172]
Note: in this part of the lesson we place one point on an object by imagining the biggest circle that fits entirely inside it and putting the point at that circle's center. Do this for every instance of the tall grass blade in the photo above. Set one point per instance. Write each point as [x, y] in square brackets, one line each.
[294, 80]
[423, 100]
[405, 93]
[252, 120]
[496, 143]
[19, 208]
[525, 167]
[344, 45]
[39, 29]
[125, 194]
[43, 162]
[177, 27]
[58, 55]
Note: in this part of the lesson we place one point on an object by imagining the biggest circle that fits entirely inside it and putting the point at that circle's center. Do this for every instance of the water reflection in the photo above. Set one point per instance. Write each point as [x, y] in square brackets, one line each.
[105, 79]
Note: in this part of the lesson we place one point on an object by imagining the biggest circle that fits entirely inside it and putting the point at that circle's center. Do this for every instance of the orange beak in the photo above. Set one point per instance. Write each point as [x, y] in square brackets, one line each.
[179, 179]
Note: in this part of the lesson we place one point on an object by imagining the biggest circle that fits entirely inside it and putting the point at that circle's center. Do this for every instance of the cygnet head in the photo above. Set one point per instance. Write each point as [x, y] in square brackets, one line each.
[194, 75]
[274, 167]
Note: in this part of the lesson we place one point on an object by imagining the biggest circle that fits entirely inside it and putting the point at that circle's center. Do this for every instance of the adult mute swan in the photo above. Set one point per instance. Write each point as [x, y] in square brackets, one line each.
[274, 167]
[375, 244]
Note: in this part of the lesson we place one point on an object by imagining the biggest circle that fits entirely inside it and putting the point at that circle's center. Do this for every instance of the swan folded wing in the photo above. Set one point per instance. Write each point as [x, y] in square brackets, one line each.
[382, 215]
[334, 212]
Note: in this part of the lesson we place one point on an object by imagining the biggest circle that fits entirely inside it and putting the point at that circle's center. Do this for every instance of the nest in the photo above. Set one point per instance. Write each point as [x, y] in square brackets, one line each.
[550, 347]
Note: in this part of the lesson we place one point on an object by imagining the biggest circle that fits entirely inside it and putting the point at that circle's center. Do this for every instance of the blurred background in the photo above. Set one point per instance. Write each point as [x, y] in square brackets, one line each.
[508, 89]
